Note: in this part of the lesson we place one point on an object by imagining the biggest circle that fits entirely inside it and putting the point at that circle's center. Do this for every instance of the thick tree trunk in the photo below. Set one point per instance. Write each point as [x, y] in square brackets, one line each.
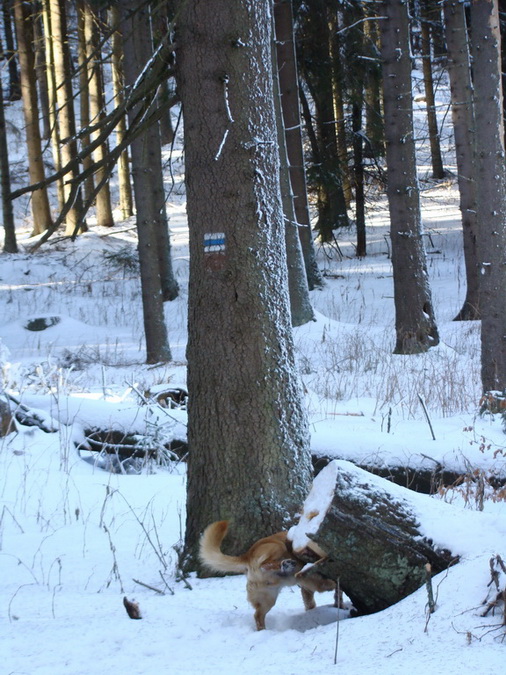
[289, 91]
[365, 532]
[10, 244]
[459, 70]
[40, 203]
[148, 185]
[247, 428]
[415, 325]
[491, 190]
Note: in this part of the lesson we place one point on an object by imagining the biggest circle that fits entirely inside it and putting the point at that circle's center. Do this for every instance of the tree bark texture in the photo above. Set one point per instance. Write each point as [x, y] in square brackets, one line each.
[367, 536]
[248, 437]
[40, 203]
[415, 324]
[491, 190]
[148, 184]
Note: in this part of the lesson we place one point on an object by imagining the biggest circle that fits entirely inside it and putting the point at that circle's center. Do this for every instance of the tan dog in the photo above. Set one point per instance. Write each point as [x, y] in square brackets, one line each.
[269, 565]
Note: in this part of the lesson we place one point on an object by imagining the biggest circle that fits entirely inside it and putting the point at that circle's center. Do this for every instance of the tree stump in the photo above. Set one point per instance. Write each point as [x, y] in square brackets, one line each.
[365, 535]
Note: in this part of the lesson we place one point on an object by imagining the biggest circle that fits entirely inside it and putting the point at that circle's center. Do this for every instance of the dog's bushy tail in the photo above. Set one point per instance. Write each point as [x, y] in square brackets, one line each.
[210, 550]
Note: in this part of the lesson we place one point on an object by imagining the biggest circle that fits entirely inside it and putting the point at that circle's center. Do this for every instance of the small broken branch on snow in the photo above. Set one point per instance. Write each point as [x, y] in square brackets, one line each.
[132, 608]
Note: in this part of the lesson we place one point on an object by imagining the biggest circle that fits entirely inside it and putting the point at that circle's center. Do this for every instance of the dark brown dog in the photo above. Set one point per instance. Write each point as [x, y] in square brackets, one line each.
[269, 565]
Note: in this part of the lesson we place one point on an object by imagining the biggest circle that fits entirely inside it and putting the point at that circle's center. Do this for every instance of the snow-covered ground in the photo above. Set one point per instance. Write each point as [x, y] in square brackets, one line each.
[75, 539]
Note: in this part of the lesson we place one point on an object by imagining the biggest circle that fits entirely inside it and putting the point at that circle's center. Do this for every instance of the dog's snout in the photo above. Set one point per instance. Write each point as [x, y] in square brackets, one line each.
[288, 566]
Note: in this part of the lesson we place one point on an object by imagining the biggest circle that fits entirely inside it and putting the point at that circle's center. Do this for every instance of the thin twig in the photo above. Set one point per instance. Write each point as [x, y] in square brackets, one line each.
[151, 588]
[424, 407]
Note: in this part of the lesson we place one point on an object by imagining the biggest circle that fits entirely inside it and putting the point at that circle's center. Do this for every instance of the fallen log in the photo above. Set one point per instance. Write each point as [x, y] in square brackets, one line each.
[362, 530]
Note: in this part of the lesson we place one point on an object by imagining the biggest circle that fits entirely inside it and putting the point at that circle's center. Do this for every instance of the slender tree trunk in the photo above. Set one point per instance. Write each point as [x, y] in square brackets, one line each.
[97, 111]
[289, 90]
[10, 52]
[316, 69]
[374, 126]
[118, 80]
[298, 290]
[52, 104]
[247, 431]
[40, 203]
[65, 105]
[166, 90]
[459, 70]
[148, 186]
[10, 244]
[84, 97]
[415, 325]
[358, 170]
[338, 92]
[354, 44]
[40, 69]
[428, 81]
[491, 190]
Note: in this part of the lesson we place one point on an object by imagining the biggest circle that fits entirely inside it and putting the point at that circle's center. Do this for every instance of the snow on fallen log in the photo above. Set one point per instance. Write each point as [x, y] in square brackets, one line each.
[367, 533]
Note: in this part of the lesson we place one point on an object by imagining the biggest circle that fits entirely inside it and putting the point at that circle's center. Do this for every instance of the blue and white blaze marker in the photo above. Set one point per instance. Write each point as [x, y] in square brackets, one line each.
[214, 251]
[214, 242]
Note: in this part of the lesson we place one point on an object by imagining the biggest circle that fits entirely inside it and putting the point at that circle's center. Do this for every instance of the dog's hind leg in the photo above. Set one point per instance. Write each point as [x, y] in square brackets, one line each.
[308, 598]
[263, 600]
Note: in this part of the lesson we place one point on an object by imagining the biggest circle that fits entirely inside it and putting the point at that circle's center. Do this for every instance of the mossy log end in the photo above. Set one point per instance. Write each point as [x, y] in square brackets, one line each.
[370, 536]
